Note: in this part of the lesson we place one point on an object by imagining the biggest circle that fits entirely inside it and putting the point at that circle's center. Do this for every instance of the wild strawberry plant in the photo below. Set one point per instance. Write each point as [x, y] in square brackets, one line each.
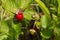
[29, 20]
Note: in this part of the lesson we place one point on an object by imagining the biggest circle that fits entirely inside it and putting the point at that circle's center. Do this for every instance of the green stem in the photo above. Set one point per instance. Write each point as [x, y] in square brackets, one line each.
[43, 8]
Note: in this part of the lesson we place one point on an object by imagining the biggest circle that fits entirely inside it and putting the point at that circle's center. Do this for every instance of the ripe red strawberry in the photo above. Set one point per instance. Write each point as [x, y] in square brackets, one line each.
[19, 15]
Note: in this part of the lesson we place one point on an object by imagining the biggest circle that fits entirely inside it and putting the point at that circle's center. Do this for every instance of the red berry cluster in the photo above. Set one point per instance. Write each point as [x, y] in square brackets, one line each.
[19, 15]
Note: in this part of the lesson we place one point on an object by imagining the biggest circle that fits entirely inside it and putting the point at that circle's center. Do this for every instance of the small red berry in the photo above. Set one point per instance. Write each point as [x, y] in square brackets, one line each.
[19, 15]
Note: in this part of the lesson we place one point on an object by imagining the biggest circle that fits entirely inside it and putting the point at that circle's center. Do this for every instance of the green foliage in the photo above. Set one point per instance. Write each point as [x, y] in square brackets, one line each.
[46, 33]
[58, 7]
[28, 13]
[43, 8]
[45, 21]
[47, 25]
[14, 5]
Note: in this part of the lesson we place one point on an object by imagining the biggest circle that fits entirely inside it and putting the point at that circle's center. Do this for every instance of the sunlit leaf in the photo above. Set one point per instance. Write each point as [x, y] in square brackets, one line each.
[28, 14]
[3, 37]
[15, 5]
[9, 5]
[58, 7]
[45, 21]
[4, 27]
[25, 3]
